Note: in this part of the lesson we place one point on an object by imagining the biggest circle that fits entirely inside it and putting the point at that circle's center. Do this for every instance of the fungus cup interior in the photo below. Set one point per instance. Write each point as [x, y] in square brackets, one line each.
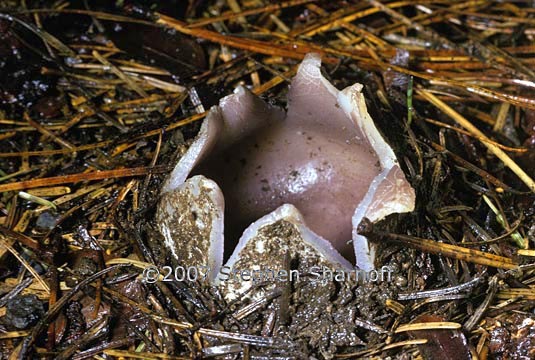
[324, 156]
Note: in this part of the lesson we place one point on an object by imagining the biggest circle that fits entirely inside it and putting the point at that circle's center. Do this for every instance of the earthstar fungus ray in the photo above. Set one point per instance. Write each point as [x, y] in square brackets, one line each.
[319, 168]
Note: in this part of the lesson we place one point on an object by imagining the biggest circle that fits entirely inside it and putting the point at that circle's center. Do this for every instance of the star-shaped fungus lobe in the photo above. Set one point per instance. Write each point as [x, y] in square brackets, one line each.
[324, 156]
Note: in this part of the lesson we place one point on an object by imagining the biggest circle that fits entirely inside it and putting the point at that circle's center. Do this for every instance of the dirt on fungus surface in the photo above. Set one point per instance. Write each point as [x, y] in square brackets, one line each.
[98, 101]
[320, 316]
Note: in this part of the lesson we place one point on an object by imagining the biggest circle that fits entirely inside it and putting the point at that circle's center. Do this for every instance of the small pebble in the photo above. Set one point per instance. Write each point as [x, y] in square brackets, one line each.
[23, 311]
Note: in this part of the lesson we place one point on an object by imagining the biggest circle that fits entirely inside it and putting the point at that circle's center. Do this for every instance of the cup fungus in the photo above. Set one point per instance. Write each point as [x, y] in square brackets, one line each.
[320, 167]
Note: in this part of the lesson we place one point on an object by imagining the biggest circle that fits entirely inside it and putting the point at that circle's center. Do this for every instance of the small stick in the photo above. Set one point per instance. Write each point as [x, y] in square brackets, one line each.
[95, 175]
[48, 133]
[255, 46]
[232, 15]
[120, 74]
[448, 250]
[468, 165]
